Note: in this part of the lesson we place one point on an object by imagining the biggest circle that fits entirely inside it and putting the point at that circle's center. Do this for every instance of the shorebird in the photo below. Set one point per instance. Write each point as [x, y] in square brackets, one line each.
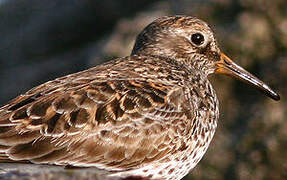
[151, 114]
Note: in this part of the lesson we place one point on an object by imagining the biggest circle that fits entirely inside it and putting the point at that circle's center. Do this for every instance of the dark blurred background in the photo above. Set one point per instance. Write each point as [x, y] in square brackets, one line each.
[42, 40]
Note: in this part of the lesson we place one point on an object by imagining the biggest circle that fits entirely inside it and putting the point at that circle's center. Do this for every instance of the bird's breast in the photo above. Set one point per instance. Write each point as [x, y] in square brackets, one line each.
[205, 104]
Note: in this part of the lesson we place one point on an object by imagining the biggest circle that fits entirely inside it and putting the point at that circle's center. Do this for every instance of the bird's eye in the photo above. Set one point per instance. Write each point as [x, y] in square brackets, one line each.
[197, 39]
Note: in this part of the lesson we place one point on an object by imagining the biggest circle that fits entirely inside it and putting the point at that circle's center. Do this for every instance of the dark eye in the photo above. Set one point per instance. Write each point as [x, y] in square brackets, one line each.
[197, 39]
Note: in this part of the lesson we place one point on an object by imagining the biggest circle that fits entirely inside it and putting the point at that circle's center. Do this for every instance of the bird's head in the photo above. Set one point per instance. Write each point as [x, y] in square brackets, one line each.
[191, 41]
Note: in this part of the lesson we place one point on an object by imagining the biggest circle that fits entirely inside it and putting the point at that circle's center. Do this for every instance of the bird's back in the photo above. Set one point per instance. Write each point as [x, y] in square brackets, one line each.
[130, 113]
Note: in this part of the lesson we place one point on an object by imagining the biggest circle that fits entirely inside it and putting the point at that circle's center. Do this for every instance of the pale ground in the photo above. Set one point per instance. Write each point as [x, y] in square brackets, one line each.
[13, 171]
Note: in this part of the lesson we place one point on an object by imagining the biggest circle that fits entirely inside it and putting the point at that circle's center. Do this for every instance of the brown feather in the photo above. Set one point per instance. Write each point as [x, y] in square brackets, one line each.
[128, 114]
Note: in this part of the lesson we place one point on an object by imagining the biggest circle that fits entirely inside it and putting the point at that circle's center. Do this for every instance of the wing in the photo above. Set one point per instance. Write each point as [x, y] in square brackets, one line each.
[112, 124]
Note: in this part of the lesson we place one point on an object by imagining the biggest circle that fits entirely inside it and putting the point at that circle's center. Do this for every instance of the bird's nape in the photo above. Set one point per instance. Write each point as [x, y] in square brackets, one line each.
[228, 67]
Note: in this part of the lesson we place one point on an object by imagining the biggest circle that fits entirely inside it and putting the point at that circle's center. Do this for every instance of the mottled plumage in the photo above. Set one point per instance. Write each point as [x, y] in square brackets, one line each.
[151, 114]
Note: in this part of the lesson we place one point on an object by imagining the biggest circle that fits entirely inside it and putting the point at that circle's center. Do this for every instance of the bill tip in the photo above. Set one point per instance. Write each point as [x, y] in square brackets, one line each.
[276, 97]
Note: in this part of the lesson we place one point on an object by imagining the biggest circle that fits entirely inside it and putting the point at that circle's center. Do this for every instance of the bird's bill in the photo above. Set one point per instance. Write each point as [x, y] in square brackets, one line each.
[228, 67]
